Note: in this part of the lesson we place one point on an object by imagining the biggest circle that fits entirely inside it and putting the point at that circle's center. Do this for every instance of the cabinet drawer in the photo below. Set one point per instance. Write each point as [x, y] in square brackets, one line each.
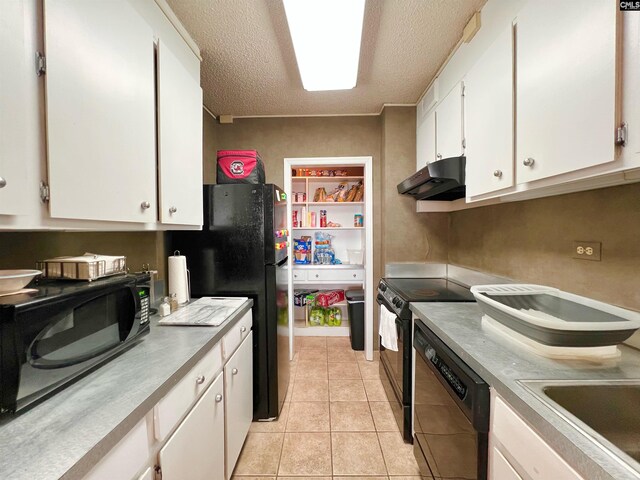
[125, 459]
[336, 275]
[175, 404]
[536, 458]
[234, 337]
[500, 468]
[299, 275]
[147, 475]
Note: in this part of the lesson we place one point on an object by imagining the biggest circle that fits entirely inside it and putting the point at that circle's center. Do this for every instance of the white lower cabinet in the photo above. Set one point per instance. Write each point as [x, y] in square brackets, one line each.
[196, 449]
[529, 456]
[175, 404]
[238, 389]
[126, 459]
[501, 468]
[197, 430]
[147, 475]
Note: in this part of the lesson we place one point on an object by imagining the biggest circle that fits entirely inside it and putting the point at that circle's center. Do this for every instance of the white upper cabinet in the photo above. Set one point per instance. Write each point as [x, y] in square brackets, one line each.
[179, 140]
[13, 131]
[449, 131]
[426, 127]
[426, 140]
[100, 107]
[566, 87]
[488, 113]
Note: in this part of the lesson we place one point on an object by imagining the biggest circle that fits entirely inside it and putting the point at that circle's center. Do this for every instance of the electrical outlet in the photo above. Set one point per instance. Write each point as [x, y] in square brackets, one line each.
[587, 250]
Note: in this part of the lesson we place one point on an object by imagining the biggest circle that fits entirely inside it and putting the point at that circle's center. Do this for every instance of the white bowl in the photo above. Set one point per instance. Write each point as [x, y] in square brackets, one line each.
[15, 280]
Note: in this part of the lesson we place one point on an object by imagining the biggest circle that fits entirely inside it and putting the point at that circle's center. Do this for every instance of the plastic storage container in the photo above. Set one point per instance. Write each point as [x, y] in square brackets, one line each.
[355, 300]
[355, 256]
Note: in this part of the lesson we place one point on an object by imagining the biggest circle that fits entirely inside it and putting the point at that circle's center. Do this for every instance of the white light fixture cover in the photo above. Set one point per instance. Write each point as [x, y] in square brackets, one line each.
[326, 37]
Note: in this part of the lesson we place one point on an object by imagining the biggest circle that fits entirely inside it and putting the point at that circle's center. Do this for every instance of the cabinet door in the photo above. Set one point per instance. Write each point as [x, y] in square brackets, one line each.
[126, 458]
[100, 107]
[179, 141]
[449, 131]
[238, 387]
[196, 449]
[488, 111]
[500, 468]
[426, 140]
[16, 64]
[566, 87]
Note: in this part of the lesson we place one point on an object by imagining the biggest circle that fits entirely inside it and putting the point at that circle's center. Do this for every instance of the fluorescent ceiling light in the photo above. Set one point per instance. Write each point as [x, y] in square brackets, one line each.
[326, 37]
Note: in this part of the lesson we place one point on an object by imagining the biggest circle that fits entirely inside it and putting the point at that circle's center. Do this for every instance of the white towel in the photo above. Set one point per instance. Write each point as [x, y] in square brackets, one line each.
[387, 330]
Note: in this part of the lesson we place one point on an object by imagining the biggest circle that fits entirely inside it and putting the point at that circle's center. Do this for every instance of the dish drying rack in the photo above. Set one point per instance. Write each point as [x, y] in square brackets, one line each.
[88, 267]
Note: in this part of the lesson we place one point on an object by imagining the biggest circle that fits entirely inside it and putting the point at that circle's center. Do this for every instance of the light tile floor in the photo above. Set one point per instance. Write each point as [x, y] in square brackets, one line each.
[336, 422]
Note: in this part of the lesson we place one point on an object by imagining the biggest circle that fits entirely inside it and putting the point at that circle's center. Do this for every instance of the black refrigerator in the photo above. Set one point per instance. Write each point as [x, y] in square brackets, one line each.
[242, 251]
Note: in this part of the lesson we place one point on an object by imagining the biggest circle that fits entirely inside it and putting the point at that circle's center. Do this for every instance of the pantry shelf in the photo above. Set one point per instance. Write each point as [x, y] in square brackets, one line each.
[346, 243]
[327, 228]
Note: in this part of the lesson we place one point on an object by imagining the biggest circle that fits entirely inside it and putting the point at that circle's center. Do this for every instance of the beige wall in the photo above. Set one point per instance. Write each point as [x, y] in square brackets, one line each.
[280, 138]
[532, 241]
[23, 249]
[407, 236]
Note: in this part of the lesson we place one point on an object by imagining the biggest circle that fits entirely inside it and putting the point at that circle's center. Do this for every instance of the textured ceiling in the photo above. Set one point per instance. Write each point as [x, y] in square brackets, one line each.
[249, 67]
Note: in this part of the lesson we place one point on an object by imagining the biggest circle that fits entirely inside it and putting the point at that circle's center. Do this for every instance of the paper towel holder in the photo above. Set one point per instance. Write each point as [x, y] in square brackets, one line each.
[176, 253]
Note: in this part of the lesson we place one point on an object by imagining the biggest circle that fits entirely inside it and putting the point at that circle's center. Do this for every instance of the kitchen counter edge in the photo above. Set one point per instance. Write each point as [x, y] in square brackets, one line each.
[589, 459]
[116, 430]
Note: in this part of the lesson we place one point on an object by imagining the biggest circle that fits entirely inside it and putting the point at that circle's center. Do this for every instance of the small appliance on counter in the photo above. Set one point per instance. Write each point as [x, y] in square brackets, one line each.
[64, 330]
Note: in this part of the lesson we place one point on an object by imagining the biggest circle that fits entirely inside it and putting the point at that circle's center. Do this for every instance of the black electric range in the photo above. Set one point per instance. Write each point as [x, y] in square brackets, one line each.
[396, 368]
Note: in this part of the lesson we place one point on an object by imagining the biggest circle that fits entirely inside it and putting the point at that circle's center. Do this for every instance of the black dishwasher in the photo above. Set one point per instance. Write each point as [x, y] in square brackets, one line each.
[451, 412]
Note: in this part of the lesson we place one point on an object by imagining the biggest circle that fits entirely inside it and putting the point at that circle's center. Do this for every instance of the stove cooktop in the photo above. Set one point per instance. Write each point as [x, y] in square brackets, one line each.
[428, 290]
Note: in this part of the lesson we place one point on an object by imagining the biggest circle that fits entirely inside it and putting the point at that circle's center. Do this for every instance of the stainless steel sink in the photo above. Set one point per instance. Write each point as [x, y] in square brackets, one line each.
[607, 411]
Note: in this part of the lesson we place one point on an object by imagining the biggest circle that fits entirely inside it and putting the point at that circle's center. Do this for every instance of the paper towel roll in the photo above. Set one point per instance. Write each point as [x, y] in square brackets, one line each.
[178, 277]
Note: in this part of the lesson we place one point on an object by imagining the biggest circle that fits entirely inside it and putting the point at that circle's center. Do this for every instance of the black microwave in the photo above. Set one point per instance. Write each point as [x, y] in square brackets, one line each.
[64, 330]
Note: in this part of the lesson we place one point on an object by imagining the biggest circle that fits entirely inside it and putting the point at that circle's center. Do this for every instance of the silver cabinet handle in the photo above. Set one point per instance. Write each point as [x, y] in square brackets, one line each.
[497, 173]
[317, 275]
[354, 275]
[528, 162]
[3, 182]
[218, 398]
[439, 157]
[173, 210]
[234, 371]
[200, 379]
[243, 329]
[145, 205]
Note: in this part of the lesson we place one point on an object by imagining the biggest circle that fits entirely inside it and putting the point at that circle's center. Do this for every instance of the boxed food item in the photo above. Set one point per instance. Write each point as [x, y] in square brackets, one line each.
[325, 299]
[302, 250]
[300, 296]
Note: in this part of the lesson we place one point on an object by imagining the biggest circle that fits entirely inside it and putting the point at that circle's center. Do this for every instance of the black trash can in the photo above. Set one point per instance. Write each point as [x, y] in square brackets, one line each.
[355, 300]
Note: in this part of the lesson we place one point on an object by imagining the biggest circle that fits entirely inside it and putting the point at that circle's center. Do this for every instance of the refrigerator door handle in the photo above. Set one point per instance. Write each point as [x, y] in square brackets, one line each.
[282, 262]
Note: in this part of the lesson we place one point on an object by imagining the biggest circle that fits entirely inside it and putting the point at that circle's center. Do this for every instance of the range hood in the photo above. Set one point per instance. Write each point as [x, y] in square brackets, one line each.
[440, 180]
